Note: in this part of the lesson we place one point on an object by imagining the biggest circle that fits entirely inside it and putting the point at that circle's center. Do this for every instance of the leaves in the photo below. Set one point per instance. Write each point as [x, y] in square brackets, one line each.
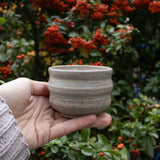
[124, 153]
[85, 133]
[147, 143]
[87, 152]
[84, 52]
[2, 20]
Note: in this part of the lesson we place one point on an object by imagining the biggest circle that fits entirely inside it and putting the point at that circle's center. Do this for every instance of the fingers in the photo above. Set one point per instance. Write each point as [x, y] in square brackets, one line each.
[71, 125]
[103, 120]
[39, 88]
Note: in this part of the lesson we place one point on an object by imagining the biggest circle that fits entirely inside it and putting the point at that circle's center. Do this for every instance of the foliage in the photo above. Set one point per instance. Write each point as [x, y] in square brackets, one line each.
[122, 34]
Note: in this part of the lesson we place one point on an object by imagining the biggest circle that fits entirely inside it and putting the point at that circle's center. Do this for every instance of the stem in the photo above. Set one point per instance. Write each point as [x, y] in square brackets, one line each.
[152, 106]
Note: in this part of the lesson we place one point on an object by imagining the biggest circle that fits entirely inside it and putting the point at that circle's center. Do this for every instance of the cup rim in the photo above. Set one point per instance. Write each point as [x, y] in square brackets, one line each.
[79, 68]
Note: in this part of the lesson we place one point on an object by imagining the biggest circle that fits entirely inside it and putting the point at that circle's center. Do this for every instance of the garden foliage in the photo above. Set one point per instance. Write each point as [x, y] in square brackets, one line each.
[122, 34]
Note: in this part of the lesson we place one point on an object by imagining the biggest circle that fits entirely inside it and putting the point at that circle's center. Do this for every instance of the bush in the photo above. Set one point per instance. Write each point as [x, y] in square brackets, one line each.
[121, 34]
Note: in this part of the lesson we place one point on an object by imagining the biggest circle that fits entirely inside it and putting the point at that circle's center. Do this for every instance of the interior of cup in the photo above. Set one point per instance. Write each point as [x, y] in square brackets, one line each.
[79, 68]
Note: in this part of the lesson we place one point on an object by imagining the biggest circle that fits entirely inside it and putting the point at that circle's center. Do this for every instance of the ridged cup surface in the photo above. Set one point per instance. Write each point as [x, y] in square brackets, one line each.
[77, 90]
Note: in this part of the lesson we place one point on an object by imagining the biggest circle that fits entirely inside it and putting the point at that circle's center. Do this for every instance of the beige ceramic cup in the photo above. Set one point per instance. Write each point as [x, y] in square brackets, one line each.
[77, 90]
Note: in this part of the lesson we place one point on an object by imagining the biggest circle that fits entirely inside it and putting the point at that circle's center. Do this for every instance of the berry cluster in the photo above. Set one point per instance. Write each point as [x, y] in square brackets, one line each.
[99, 11]
[124, 6]
[54, 38]
[136, 152]
[141, 3]
[20, 56]
[77, 62]
[113, 14]
[99, 38]
[80, 43]
[54, 4]
[120, 146]
[5, 70]
[154, 7]
[125, 33]
[68, 23]
[82, 8]
[96, 64]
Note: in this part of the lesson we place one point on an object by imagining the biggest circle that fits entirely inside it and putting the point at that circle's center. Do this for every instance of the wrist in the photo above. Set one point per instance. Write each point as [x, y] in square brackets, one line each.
[13, 145]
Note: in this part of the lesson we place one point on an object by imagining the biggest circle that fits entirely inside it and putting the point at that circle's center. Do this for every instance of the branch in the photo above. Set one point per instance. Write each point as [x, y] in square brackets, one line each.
[152, 106]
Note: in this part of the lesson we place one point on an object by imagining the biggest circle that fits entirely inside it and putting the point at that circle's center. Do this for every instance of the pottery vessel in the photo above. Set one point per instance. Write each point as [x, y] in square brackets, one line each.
[77, 90]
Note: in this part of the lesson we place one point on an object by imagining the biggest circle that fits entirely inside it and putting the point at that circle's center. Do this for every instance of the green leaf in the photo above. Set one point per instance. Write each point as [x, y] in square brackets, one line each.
[87, 152]
[124, 153]
[115, 157]
[153, 134]
[72, 154]
[84, 52]
[63, 139]
[85, 133]
[73, 34]
[92, 140]
[77, 144]
[85, 29]
[148, 146]
[54, 149]
[2, 20]
[102, 139]
[95, 53]
[127, 133]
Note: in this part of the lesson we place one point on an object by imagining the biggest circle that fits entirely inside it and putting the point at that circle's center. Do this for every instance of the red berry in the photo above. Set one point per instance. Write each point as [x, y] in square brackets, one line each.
[119, 138]
[42, 153]
[101, 154]
[138, 104]
[18, 57]
[10, 46]
[22, 55]
[120, 146]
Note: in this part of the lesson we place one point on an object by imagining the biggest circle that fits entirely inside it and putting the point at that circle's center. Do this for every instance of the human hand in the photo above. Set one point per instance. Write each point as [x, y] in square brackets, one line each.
[38, 122]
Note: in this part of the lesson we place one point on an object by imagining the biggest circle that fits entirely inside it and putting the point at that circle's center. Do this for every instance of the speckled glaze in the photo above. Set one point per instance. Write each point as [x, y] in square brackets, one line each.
[77, 90]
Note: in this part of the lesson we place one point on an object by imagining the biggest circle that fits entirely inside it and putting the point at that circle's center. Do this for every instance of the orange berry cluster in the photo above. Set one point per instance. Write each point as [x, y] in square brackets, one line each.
[136, 152]
[76, 62]
[54, 4]
[80, 43]
[124, 6]
[124, 33]
[54, 38]
[120, 146]
[96, 64]
[99, 11]
[82, 8]
[140, 3]
[5, 71]
[154, 7]
[20, 56]
[99, 38]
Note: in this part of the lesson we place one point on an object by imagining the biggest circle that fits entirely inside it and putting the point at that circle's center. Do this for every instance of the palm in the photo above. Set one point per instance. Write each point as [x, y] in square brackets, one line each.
[32, 111]
[36, 119]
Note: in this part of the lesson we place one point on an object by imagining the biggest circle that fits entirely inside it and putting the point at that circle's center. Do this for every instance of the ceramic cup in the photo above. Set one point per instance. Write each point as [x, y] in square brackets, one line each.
[77, 90]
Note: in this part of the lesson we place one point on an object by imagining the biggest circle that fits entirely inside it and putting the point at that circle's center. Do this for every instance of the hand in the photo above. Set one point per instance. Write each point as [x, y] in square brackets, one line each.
[38, 122]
